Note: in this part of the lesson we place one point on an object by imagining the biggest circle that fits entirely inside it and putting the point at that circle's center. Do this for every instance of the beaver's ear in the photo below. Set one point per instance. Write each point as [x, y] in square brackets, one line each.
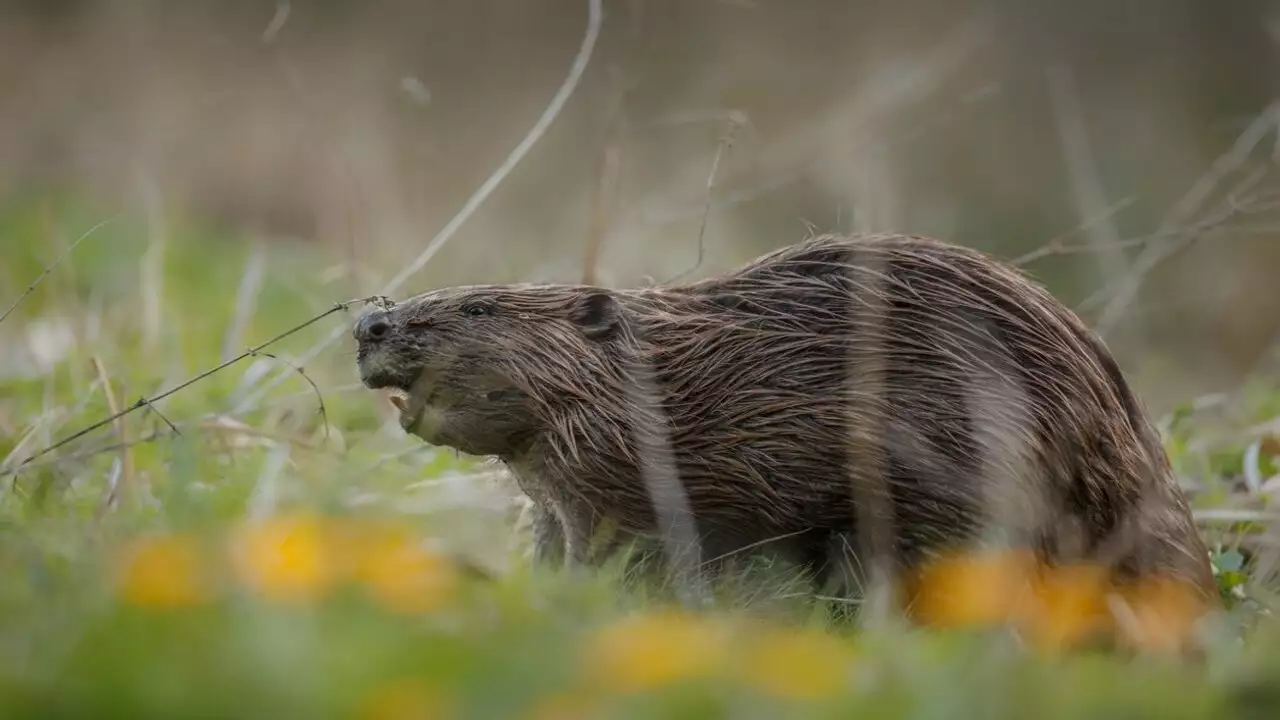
[595, 314]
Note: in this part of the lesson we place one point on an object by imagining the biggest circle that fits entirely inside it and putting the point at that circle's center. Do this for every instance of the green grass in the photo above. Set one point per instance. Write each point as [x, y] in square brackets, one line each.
[70, 646]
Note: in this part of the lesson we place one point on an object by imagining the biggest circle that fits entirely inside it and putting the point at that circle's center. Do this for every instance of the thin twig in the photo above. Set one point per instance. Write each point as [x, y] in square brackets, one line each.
[49, 268]
[1210, 227]
[1170, 242]
[736, 119]
[324, 414]
[206, 424]
[594, 19]
[144, 402]
[1058, 246]
[160, 415]
[112, 447]
[749, 547]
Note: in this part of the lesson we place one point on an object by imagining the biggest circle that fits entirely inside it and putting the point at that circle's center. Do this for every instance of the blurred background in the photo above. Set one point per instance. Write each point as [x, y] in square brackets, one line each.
[257, 161]
[1132, 138]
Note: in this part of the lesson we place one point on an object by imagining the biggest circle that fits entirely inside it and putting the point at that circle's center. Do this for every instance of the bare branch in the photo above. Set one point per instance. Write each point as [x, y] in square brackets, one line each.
[1127, 287]
[1210, 227]
[1058, 246]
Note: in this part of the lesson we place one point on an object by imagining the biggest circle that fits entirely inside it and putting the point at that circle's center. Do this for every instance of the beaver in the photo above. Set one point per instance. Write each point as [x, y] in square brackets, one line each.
[846, 397]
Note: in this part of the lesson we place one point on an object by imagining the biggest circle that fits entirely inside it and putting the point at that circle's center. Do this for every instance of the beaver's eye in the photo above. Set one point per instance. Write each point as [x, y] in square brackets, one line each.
[475, 310]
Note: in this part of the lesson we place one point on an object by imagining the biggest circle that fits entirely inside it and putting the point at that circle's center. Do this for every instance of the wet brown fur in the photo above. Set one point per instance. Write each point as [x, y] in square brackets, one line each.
[825, 388]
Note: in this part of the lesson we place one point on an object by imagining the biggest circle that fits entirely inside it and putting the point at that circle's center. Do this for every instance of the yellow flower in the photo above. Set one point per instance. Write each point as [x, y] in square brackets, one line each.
[643, 652]
[284, 558]
[973, 589]
[1162, 614]
[797, 665]
[1068, 606]
[163, 572]
[403, 575]
[404, 700]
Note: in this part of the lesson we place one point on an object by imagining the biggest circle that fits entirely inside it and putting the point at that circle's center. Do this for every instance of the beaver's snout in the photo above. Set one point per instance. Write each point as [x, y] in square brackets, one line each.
[379, 364]
[372, 327]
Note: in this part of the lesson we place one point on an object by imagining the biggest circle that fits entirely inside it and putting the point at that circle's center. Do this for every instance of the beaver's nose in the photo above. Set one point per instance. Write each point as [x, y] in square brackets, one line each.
[372, 326]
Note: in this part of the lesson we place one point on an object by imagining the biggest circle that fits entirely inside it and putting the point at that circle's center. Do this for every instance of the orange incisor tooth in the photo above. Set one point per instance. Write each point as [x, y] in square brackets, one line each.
[400, 402]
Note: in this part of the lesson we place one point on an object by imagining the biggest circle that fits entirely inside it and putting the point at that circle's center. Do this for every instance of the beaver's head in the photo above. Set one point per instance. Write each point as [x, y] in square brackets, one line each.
[473, 368]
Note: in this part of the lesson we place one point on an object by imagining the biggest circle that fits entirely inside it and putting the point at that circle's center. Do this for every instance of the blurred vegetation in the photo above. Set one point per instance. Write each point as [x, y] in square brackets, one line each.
[359, 128]
[257, 162]
[289, 563]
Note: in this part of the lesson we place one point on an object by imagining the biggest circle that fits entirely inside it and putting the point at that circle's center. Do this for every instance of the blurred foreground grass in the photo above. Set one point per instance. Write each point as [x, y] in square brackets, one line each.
[288, 563]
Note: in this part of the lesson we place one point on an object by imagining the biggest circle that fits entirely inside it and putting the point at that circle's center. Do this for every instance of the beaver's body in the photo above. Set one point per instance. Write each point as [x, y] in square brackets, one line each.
[839, 386]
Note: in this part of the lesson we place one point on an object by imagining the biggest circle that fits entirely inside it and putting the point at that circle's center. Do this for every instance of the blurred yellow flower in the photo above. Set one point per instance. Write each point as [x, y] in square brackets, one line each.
[797, 665]
[1162, 613]
[163, 571]
[563, 706]
[1057, 607]
[646, 651]
[973, 589]
[1068, 606]
[401, 574]
[404, 700]
[284, 558]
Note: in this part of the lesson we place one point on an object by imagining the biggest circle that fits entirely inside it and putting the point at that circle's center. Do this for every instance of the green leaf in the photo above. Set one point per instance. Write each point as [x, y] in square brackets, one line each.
[1229, 561]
